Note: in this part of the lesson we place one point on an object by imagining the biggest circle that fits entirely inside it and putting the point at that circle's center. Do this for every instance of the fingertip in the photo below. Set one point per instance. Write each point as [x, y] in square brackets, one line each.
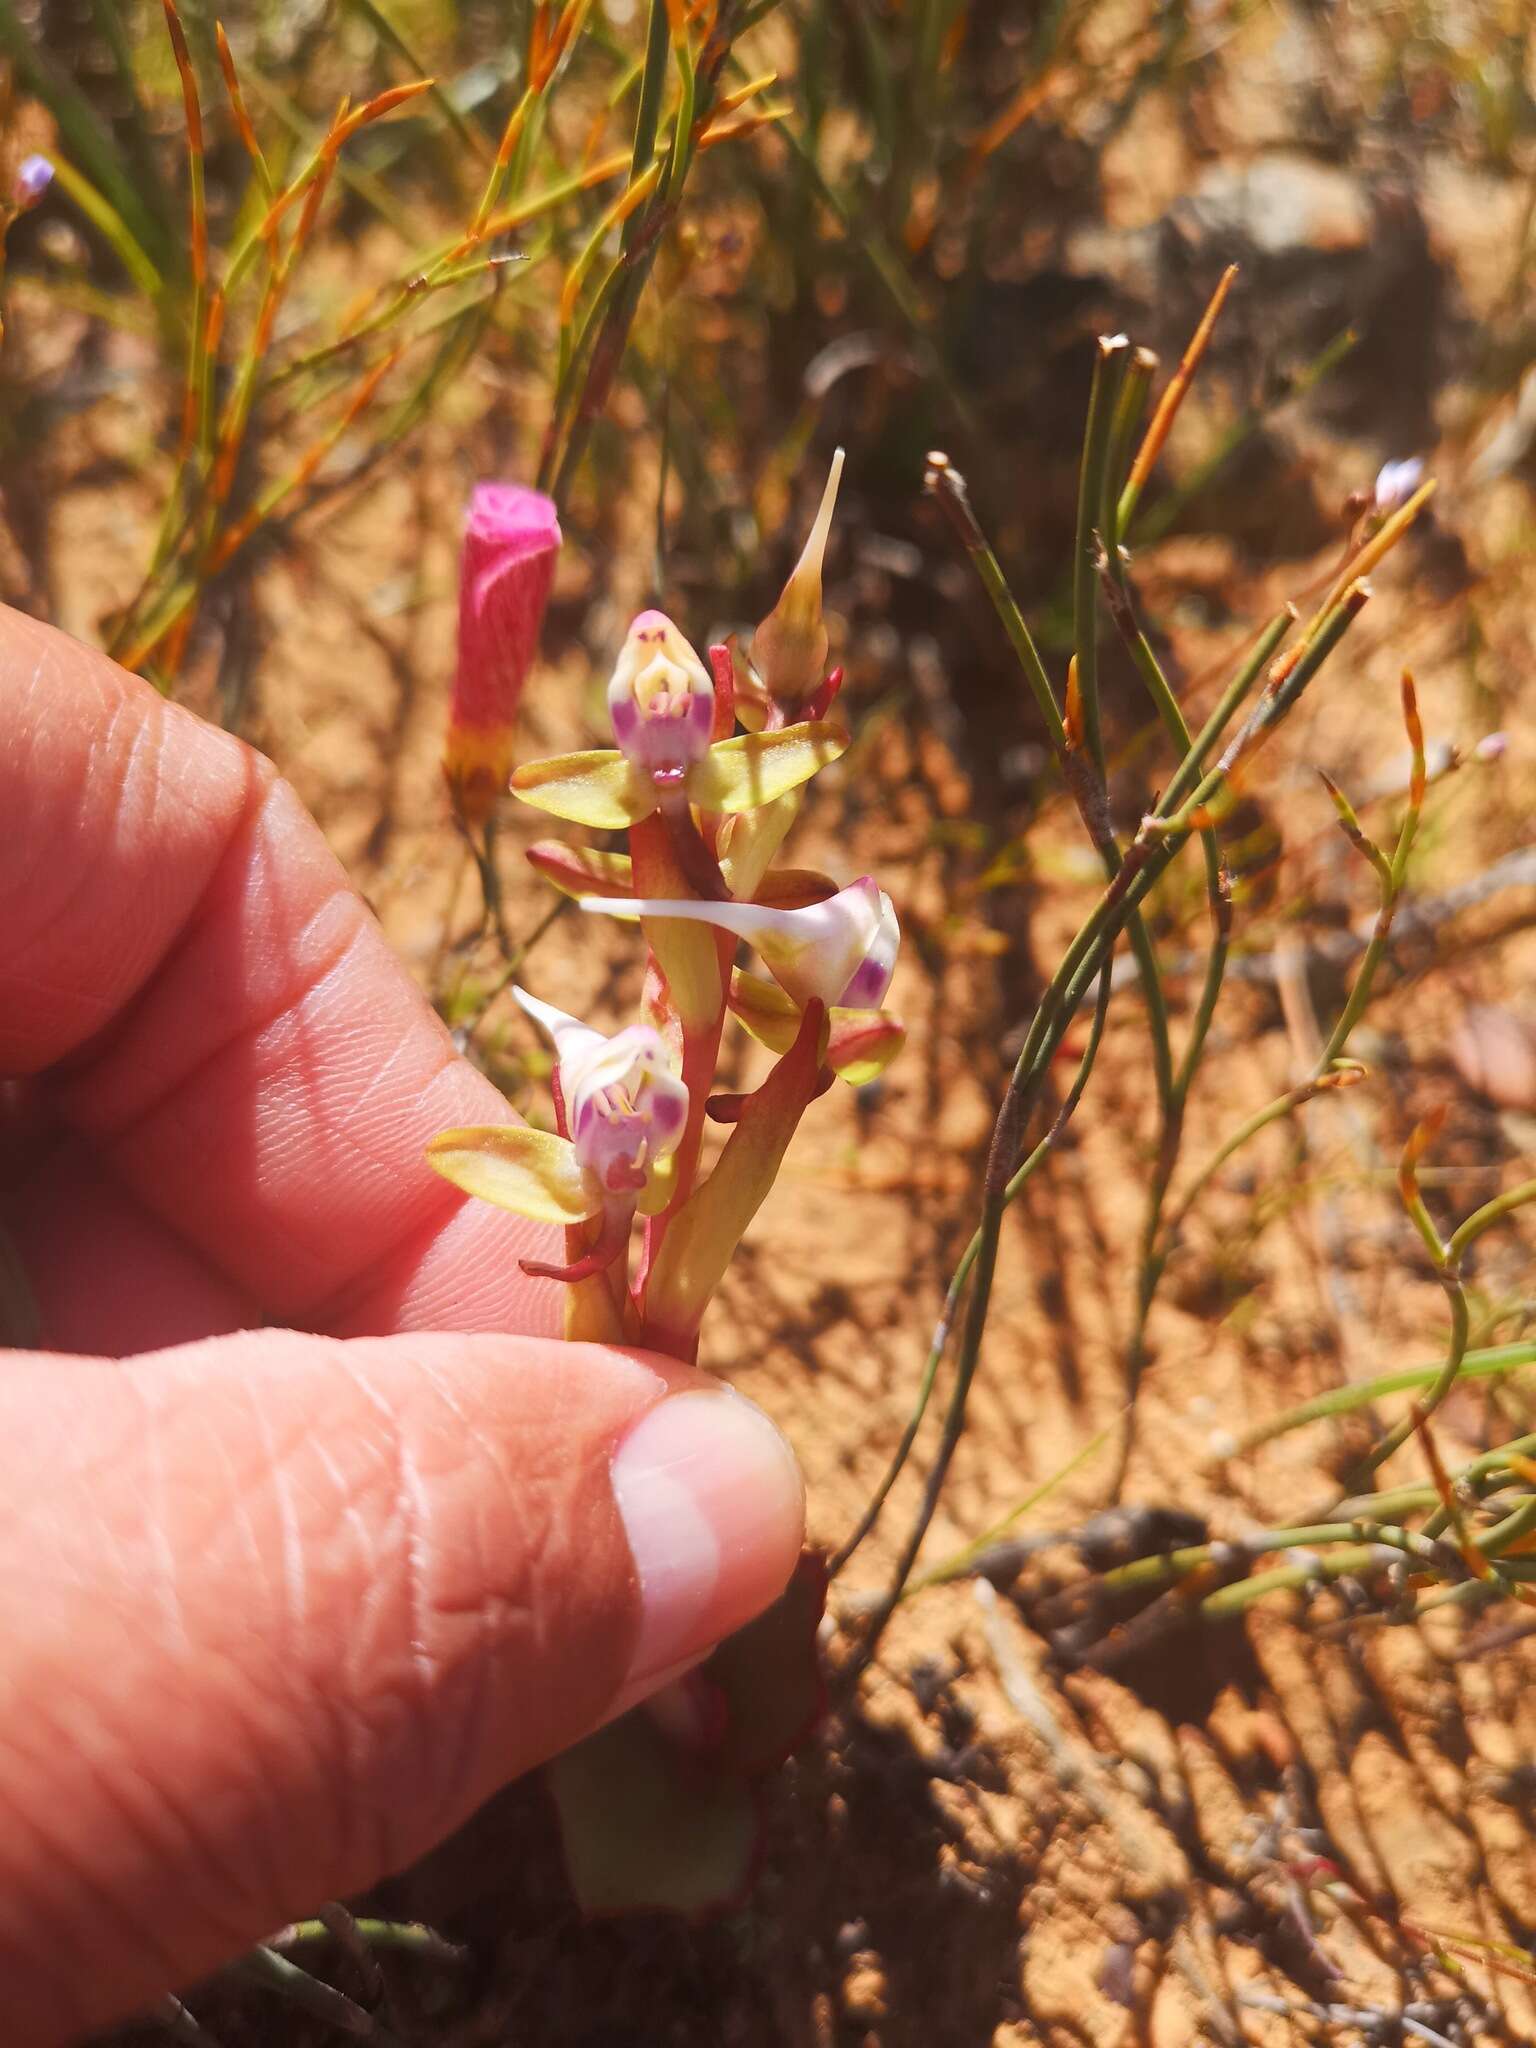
[713, 1507]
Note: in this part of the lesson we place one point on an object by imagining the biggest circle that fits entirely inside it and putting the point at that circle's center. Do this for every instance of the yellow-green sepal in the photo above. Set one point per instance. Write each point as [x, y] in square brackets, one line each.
[757, 767]
[660, 1187]
[749, 840]
[532, 1173]
[599, 788]
[860, 1043]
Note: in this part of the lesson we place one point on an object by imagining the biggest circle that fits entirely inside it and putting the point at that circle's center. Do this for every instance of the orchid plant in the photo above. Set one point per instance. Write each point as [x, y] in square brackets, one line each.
[706, 809]
[660, 1809]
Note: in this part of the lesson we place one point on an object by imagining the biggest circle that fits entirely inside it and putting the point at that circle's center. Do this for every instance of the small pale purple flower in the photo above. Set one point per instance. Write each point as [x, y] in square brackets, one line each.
[1396, 483]
[34, 174]
[1491, 747]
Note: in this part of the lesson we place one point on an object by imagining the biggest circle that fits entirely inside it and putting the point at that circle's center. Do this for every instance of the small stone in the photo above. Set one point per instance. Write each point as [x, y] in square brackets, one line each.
[1494, 1051]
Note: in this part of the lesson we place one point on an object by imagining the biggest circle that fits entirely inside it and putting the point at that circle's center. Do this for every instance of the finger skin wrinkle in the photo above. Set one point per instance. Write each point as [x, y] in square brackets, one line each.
[458, 1271]
[491, 1617]
[225, 981]
[57, 1870]
[102, 836]
[227, 1025]
[108, 1276]
[284, 1732]
[397, 1612]
[273, 1089]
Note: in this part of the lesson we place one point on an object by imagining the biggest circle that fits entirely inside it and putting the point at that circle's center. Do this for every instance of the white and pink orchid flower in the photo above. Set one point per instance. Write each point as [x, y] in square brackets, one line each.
[662, 703]
[625, 1104]
[661, 700]
[626, 1110]
[842, 951]
[1396, 483]
[34, 174]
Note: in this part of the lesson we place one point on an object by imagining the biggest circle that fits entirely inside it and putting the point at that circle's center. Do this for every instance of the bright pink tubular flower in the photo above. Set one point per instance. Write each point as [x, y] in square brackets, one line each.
[511, 539]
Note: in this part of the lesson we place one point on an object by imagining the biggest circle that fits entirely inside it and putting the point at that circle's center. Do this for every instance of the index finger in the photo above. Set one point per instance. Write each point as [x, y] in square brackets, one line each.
[215, 1008]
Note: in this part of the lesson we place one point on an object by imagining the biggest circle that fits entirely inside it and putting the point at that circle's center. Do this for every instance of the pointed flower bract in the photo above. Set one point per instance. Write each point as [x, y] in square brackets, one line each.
[789, 648]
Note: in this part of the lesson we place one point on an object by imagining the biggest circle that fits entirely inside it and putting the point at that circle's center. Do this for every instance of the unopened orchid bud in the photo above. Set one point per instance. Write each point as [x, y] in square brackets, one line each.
[789, 648]
[34, 174]
[511, 539]
[1491, 747]
[625, 1103]
[661, 700]
[842, 951]
[1396, 483]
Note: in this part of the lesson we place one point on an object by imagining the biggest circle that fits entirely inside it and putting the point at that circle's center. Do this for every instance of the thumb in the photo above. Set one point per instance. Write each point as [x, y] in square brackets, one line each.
[279, 1611]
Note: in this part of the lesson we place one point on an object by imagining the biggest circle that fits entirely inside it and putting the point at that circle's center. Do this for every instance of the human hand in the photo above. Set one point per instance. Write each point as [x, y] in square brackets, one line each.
[280, 1607]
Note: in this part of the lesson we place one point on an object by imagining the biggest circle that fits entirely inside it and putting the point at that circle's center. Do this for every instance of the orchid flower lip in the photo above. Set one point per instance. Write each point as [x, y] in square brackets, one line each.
[842, 951]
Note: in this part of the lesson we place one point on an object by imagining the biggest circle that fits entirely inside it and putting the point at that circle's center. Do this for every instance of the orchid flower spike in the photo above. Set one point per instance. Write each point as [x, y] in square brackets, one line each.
[789, 648]
[842, 951]
[511, 540]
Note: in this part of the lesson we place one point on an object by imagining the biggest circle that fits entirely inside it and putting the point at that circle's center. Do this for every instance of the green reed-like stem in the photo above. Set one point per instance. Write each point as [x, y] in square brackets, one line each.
[1447, 1259]
[1130, 409]
[274, 1972]
[960, 1563]
[1489, 1214]
[585, 388]
[1155, 847]
[1491, 1363]
[1093, 486]
[1229, 1601]
[409, 1937]
[1376, 1517]
[1084, 780]
[1162, 516]
[1174, 1101]
[1331, 1069]
[1271, 1113]
[653, 79]
[962, 1274]
[1258, 658]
